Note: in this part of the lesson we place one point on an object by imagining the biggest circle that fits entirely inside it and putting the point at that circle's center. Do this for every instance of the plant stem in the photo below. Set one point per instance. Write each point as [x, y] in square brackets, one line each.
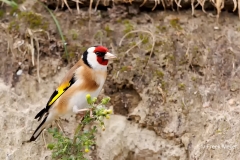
[79, 127]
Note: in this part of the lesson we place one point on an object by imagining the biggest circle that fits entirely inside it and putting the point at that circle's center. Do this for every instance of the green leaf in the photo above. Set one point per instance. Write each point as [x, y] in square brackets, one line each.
[10, 3]
[50, 146]
[105, 100]
[94, 99]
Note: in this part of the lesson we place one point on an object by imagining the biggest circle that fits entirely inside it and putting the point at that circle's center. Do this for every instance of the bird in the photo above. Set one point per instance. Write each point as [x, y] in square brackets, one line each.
[87, 76]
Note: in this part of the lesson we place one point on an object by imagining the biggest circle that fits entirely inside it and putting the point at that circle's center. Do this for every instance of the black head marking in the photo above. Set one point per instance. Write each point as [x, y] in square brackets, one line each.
[100, 54]
[84, 58]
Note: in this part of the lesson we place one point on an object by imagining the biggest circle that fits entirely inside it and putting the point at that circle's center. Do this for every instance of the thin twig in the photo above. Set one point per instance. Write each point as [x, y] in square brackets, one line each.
[90, 8]
[135, 31]
[97, 5]
[58, 122]
[32, 45]
[144, 1]
[164, 6]
[139, 42]
[239, 9]
[235, 5]
[156, 3]
[38, 55]
[43, 136]
[65, 1]
[134, 46]
[78, 10]
[193, 8]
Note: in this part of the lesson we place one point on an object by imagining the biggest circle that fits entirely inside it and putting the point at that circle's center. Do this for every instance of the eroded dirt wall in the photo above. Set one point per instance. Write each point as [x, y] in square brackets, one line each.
[182, 103]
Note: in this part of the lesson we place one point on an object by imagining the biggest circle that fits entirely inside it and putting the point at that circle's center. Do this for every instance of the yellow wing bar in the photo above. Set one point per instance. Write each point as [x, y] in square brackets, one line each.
[61, 89]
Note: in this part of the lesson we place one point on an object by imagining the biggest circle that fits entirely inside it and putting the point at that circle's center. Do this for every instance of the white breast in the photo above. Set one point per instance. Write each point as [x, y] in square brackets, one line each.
[79, 98]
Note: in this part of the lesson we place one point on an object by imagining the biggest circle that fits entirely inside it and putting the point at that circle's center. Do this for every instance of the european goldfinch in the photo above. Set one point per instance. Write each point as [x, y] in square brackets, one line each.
[87, 76]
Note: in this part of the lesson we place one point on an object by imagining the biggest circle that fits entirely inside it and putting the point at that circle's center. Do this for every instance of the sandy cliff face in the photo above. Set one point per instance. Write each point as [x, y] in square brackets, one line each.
[184, 104]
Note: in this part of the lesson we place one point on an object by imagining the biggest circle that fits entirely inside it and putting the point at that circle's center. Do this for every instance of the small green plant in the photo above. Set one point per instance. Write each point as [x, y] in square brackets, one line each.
[194, 78]
[124, 68]
[171, 57]
[13, 26]
[162, 28]
[10, 3]
[160, 74]
[1, 13]
[181, 86]
[128, 26]
[33, 20]
[108, 30]
[145, 39]
[74, 149]
[163, 84]
[74, 34]
[175, 23]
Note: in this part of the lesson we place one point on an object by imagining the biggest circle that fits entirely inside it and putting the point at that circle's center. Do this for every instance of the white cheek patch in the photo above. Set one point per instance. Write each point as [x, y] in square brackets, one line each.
[91, 50]
[92, 60]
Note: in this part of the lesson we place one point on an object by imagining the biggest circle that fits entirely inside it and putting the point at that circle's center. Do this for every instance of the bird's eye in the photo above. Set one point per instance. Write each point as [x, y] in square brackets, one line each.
[100, 54]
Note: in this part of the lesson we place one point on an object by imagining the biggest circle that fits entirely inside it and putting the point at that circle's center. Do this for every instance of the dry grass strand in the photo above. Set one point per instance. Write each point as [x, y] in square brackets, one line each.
[143, 31]
[239, 9]
[65, 2]
[97, 5]
[90, 8]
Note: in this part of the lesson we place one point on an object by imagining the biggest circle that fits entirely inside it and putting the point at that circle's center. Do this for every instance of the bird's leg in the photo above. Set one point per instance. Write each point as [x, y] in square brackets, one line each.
[81, 112]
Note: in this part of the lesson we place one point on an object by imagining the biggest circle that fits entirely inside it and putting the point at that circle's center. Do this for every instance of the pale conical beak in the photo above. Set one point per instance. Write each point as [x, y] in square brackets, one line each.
[109, 56]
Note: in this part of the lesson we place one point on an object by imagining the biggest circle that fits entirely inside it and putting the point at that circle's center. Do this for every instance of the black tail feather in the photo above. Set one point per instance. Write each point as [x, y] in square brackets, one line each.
[33, 138]
[40, 114]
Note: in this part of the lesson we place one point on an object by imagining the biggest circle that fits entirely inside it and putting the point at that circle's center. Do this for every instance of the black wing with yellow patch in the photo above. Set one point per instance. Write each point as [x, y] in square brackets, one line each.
[56, 94]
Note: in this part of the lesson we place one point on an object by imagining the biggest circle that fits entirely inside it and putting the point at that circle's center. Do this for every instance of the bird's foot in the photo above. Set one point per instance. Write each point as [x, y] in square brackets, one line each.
[82, 112]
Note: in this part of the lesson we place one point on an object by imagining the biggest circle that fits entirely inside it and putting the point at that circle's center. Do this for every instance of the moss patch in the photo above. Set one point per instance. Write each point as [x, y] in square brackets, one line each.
[181, 86]
[1, 13]
[27, 20]
[159, 74]
[128, 26]
[13, 26]
[74, 34]
[175, 23]
[33, 20]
